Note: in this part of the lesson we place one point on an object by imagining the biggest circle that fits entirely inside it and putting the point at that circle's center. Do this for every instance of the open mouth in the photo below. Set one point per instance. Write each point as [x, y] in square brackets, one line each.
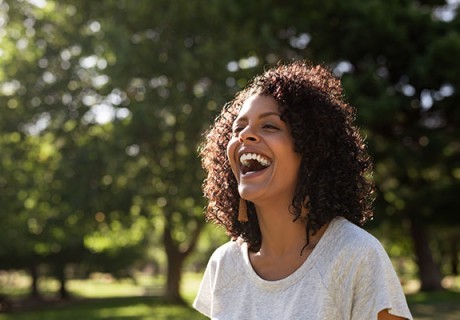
[252, 162]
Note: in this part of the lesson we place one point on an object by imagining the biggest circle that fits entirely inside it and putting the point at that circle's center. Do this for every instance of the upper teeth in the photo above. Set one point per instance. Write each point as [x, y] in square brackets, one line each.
[252, 156]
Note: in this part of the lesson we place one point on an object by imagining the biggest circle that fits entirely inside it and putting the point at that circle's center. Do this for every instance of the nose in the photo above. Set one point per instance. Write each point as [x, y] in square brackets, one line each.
[248, 135]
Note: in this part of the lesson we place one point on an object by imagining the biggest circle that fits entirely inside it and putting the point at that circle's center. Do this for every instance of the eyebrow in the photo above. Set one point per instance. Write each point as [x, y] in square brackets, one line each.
[262, 115]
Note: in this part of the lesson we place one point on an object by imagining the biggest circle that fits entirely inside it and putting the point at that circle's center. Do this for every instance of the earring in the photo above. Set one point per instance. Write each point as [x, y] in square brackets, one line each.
[243, 211]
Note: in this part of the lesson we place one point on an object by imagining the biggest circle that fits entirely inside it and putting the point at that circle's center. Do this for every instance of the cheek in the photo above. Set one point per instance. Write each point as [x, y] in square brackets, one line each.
[291, 158]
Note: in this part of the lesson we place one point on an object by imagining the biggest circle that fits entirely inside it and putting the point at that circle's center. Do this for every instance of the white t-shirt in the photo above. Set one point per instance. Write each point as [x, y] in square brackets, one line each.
[347, 276]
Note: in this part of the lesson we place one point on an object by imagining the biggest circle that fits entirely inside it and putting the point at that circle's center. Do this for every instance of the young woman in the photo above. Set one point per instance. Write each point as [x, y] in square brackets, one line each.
[288, 176]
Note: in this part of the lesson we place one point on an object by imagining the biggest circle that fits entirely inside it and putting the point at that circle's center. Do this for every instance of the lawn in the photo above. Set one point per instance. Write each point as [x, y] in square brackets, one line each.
[109, 308]
[127, 300]
[435, 306]
[105, 298]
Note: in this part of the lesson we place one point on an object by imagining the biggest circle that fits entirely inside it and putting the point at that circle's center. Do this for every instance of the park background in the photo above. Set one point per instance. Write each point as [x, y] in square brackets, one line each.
[103, 106]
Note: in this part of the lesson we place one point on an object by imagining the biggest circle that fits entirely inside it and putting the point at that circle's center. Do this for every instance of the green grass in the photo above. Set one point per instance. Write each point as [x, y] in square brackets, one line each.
[104, 298]
[443, 305]
[131, 308]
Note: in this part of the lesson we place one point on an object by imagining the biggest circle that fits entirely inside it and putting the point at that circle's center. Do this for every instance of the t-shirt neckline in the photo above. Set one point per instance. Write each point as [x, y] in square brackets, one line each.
[282, 284]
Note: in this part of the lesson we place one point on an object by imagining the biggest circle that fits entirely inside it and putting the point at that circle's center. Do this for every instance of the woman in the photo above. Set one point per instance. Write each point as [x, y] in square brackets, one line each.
[288, 176]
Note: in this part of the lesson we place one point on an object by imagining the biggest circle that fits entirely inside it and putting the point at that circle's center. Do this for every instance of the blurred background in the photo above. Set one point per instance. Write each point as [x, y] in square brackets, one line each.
[104, 103]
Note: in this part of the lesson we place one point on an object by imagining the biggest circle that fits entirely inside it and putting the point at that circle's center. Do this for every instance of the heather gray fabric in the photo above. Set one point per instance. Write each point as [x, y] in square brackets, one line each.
[347, 276]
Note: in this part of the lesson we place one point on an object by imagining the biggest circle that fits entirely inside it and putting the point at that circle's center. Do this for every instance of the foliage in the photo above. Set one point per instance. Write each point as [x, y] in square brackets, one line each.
[104, 104]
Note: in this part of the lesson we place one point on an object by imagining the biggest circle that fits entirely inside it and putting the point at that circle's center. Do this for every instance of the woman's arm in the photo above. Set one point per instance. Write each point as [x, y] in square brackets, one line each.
[385, 315]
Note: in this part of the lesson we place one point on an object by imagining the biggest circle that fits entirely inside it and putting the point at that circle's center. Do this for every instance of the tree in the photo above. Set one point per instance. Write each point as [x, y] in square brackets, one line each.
[113, 97]
[403, 83]
[54, 171]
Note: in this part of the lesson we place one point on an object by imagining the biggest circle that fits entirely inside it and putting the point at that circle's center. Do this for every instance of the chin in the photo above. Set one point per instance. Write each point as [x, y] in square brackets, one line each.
[250, 195]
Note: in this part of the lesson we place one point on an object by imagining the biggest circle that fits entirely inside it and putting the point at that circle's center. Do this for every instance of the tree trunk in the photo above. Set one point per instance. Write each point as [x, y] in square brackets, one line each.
[63, 293]
[34, 293]
[175, 261]
[454, 255]
[429, 272]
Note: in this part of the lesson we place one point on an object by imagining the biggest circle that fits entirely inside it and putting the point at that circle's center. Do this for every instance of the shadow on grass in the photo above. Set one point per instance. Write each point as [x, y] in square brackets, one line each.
[435, 305]
[120, 308]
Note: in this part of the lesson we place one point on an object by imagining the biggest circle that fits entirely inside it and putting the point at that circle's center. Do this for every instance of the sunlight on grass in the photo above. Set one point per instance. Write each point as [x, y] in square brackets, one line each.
[190, 284]
[103, 297]
[97, 289]
[129, 311]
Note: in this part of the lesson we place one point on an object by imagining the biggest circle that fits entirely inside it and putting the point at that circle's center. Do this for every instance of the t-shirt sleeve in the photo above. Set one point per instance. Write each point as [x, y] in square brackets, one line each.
[377, 286]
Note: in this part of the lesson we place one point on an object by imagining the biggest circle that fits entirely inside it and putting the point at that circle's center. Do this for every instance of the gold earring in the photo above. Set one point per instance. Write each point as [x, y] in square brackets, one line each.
[243, 211]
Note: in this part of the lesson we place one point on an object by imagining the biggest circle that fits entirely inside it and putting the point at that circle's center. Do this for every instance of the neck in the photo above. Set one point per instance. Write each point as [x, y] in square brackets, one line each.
[280, 234]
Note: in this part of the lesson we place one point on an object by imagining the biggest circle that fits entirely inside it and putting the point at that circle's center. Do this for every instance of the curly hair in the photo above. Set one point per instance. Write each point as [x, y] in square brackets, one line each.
[335, 175]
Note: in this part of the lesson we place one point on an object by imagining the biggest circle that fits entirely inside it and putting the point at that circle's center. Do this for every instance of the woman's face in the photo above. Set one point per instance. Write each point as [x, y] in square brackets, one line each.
[261, 152]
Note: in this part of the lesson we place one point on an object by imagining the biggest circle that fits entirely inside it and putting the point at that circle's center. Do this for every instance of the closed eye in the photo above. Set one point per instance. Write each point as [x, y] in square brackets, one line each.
[237, 130]
[270, 126]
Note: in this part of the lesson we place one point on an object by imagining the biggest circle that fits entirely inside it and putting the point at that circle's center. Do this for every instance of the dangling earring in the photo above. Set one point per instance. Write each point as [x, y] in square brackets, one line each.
[243, 211]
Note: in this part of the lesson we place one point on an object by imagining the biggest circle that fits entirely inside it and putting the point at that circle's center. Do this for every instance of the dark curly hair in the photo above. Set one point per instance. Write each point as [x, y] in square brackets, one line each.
[335, 175]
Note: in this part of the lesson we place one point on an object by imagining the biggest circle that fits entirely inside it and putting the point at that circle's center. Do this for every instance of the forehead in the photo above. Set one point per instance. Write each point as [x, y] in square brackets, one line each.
[258, 104]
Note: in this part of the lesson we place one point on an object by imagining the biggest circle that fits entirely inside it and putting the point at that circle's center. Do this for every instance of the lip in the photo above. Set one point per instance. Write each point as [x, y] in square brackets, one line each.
[252, 174]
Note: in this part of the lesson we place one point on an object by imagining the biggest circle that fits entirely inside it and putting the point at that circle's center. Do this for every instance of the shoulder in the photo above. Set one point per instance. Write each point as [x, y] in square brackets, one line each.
[228, 251]
[225, 265]
[358, 272]
[346, 236]
[369, 276]
[226, 258]
[347, 246]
